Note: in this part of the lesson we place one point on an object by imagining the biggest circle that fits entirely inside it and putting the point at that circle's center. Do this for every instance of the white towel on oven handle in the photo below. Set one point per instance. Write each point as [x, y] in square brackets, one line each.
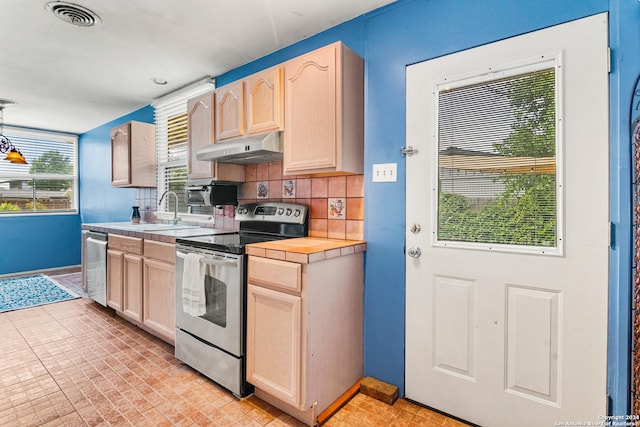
[193, 292]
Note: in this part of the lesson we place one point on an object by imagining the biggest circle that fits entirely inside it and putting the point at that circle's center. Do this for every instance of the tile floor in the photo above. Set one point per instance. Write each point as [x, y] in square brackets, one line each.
[75, 363]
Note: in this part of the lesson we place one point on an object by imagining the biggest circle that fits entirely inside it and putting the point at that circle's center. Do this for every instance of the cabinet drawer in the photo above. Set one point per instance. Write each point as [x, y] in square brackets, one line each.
[275, 274]
[132, 245]
[158, 250]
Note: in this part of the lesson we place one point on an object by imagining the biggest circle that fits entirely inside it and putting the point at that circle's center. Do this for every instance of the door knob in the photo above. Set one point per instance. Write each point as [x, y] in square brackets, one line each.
[414, 252]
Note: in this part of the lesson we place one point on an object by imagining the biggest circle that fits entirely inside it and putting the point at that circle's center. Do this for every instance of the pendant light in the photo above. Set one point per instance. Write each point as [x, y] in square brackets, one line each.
[6, 146]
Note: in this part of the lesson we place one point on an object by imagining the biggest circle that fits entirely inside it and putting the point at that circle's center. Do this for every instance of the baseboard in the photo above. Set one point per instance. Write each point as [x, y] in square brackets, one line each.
[48, 271]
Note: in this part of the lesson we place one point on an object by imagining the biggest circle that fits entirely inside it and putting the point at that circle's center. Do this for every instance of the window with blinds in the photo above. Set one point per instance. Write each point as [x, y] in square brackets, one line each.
[496, 154]
[171, 140]
[49, 182]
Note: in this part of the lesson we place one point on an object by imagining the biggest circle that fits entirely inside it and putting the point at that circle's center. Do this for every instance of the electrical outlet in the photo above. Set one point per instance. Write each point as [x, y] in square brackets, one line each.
[385, 172]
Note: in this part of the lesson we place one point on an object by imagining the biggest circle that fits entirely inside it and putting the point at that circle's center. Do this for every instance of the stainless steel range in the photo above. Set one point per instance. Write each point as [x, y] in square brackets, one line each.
[211, 290]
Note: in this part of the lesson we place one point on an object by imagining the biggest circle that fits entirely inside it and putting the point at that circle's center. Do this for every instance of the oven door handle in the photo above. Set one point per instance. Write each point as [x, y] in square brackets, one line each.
[212, 261]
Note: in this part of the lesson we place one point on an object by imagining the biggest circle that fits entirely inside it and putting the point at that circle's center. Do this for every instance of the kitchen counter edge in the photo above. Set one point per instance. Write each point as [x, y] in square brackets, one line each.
[305, 250]
[159, 235]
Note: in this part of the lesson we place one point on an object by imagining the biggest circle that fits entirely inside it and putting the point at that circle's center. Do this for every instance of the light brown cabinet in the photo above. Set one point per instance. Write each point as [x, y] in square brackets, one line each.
[230, 111]
[264, 101]
[250, 106]
[158, 291]
[324, 112]
[303, 322]
[201, 133]
[132, 287]
[124, 275]
[133, 155]
[115, 267]
[141, 283]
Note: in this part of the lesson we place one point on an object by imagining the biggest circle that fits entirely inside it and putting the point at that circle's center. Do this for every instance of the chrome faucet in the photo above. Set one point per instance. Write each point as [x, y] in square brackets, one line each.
[175, 208]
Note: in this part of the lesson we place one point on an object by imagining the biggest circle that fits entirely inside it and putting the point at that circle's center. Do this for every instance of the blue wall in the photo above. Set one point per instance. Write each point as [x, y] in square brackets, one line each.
[411, 31]
[99, 201]
[29, 243]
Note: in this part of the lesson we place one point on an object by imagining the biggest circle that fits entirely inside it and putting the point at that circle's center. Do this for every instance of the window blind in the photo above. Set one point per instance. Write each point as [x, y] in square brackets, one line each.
[172, 140]
[497, 161]
[48, 183]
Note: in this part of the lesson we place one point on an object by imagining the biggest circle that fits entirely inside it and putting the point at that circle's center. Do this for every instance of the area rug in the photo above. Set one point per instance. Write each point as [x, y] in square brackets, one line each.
[30, 291]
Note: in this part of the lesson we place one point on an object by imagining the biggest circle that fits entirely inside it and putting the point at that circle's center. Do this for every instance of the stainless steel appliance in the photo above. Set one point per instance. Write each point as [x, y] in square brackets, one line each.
[203, 194]
[95, 266]
[247, 150]
[214, 342]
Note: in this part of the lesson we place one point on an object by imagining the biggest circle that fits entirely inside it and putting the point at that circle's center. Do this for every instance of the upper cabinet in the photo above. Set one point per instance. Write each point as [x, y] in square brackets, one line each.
[230, 111]
[133, 155]
[264, 101]
[201, 133]
[324, 112]
[250, 106]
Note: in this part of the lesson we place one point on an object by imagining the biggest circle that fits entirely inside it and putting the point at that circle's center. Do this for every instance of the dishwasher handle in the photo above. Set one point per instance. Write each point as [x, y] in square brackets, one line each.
[99, 242]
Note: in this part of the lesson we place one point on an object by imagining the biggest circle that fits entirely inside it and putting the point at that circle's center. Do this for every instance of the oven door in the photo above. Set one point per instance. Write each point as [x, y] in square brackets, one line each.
[222, 323]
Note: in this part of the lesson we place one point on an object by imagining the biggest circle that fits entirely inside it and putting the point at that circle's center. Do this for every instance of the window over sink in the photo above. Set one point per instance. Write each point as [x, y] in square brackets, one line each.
[48, 183]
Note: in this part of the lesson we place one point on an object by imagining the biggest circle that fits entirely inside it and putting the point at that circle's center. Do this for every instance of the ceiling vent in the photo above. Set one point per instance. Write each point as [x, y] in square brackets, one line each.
[72, 13]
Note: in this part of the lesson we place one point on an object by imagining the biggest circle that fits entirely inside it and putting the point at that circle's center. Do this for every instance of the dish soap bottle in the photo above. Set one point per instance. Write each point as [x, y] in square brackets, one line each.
[135, 214]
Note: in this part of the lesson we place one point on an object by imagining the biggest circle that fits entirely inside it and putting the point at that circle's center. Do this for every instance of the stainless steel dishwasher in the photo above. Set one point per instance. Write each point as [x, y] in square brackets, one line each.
[95, 266]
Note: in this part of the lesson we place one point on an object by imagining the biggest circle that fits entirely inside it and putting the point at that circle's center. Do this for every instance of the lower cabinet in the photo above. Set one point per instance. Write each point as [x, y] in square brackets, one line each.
[304, 332]
[158, 290]
[115, 267]
[132, 287]
[141, 283]
[274, 362]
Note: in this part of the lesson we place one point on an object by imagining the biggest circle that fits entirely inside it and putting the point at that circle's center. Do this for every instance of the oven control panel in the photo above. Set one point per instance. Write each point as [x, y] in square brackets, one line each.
[272, 211]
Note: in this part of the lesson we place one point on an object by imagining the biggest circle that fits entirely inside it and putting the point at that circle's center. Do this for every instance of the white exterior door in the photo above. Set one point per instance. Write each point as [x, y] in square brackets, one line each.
[507, 229]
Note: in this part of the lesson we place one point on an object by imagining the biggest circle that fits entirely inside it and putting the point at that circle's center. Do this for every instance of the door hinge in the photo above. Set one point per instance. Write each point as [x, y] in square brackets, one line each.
[408, 151]
[609, 53]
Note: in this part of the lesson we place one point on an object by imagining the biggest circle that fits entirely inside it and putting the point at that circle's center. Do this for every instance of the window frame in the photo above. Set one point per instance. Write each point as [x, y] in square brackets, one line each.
[546, 61]
[14, 132]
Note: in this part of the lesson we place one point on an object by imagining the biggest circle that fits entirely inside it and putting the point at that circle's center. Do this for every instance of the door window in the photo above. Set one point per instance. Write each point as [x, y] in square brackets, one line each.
[497, 155]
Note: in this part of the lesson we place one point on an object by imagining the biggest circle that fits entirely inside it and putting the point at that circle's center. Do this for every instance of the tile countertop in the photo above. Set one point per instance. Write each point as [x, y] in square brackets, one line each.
[160, 232]
[306, 250]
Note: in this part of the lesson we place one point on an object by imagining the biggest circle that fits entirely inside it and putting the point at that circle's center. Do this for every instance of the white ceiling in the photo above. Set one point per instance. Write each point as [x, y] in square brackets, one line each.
[73, 79]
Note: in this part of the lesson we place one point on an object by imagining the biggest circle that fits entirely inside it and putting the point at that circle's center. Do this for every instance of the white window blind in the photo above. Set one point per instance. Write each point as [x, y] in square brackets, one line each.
[49, 182]
[171, 140]
[497, 159]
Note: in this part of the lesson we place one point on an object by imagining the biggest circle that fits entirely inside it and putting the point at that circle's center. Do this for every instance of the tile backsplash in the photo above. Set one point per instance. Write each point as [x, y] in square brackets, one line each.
[336, 203]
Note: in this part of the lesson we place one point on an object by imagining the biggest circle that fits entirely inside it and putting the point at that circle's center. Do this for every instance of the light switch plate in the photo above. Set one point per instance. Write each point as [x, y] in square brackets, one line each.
[385, 172]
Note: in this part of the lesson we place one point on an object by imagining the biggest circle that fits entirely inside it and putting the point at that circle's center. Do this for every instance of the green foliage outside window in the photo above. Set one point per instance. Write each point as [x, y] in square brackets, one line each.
[6, 206]
[55, 163]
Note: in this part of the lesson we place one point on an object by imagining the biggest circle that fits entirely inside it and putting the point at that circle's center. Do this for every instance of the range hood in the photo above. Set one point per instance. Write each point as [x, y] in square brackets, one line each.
[249, 150]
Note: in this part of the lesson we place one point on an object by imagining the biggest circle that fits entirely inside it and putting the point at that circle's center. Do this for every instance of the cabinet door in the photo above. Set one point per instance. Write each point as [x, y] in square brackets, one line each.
[121, 155]
[230, 111]
[159, 298]
[132, 287]
[264, 106]
[115, 268]
[274, 347]
[201, 131]
[311, 111]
